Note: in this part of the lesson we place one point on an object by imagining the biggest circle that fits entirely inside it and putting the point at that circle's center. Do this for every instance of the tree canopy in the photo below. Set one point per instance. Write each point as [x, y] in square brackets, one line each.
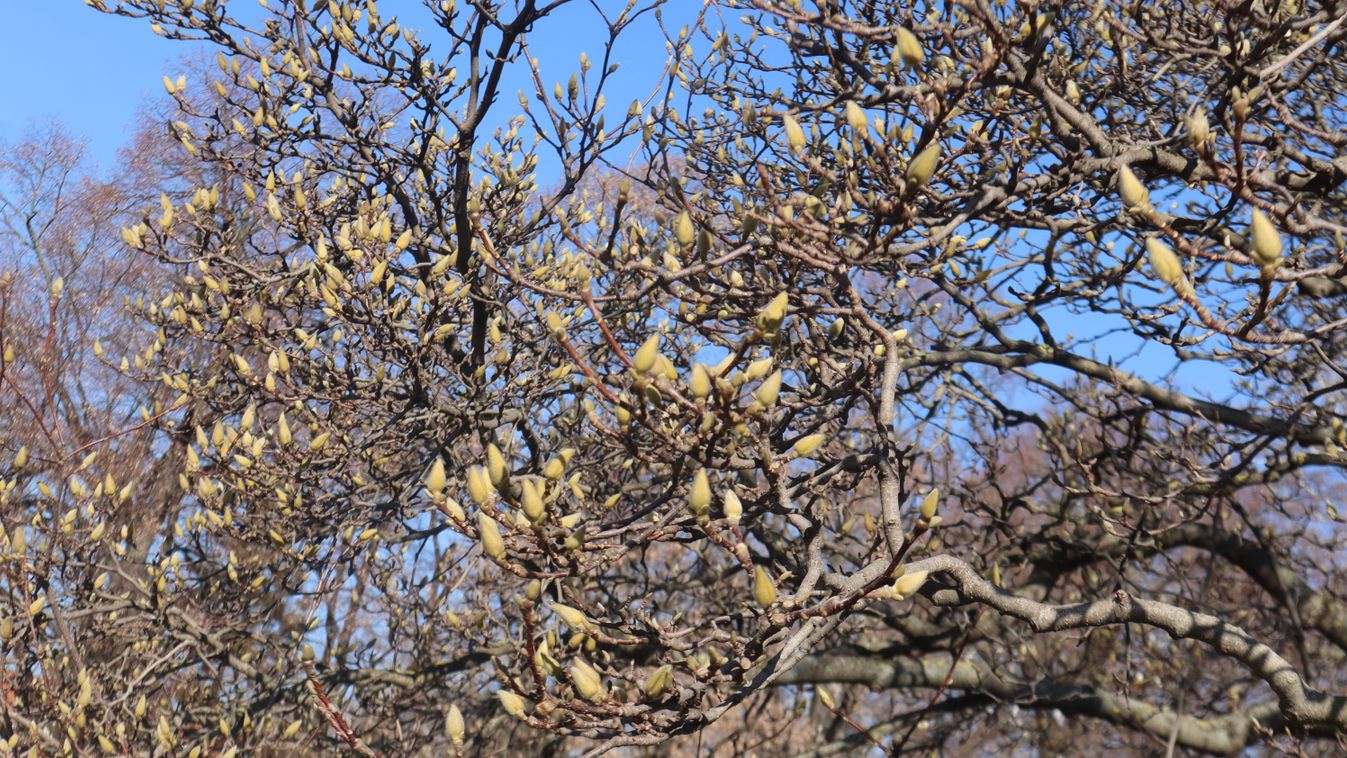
[887, 377]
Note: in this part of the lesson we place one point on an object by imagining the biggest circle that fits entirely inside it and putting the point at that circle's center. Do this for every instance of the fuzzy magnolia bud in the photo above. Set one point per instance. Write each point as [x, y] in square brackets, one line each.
[479, 487]
[769, 390]
[512, 703]
[1134, 194]
[805, 446]
[435, 479]
[658, 682]
[1164, 263]
[453, 725]
[572, 617]
[922, 167]
[908, 584]
[775, 312]
[908, 49]
[856, 118]
[1199, 129]
[684, 232]
[492, 543]
[645, 357]
[929, 504]
[699, 494]
[495, 465]
[532, 502]
[734, 509]
[794, 133]
[1267, 244]
[587, 681]
[700, 381]
[764, 588]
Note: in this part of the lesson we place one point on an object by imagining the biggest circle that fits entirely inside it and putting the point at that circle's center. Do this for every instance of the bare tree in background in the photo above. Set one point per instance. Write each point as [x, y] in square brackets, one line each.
[894, 377]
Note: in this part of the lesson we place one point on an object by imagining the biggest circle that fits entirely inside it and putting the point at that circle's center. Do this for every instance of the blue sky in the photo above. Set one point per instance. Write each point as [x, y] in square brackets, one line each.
[67, 62]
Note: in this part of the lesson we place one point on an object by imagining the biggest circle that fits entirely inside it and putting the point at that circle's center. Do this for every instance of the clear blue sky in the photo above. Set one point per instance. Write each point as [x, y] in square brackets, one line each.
[64, 61]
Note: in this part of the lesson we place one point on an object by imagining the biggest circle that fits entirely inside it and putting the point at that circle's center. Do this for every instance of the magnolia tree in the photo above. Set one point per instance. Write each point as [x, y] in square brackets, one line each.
[935, 376]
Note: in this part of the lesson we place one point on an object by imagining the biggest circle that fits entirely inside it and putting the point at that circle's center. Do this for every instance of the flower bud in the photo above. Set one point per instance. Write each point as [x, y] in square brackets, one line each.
[1199, 129]
[495, 465]
[532, 502]
[699, 494]
[908, 49]
[929, 504]
[587, 681]
[572, 617]
[453, 725]
[733, 508]
[1267, 244]
[856, 118]
[794, 133]
[684, 231]
[435, 479]
[775, 312]
[805, 446]
[1164, 263]
[764, 588]
[513, 704]
[907, 584]
[1134, 194]
[658, 682]
[644, 359]
[769, 390]
[492, 543]
[922, 167]
[479, 488]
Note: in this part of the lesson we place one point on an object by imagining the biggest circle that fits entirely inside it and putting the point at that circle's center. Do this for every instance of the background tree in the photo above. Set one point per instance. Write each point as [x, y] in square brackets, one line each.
[955, 376]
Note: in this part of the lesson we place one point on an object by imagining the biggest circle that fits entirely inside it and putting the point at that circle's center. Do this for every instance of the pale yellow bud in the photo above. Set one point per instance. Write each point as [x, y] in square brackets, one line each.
[1267, 244]
[532, 502]
[775, 312]
[587, 681]
[699, 494]
[734, 509]
[794, 133]
[922, 167]
[436, 479]
[856, 117]
[908, 584]
[646, 355]
[495, 465]
[1164, 262]
[453, 725]
[908, 49]
[479, 487]
[1199, 129]
[1134, 194]
[512, 703]
[684, 231]
[805, 446]
[572, 617]
[657, 682]
[764, 588]
[769, 390]
[930, 503]
[492, 543]
[700, 381]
